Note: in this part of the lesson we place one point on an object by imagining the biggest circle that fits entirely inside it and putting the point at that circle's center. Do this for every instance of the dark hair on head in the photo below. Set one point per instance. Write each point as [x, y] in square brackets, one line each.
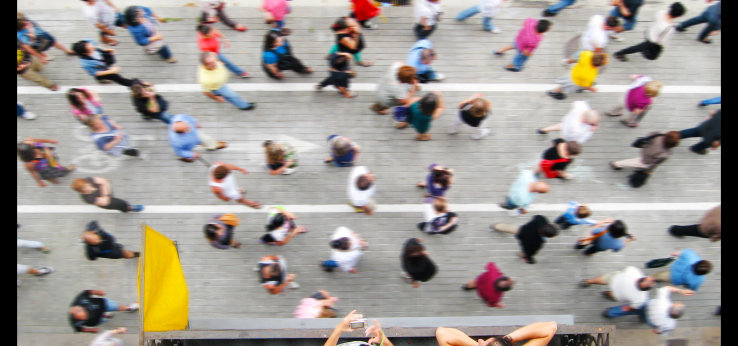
[270, 39]
[428, 103]
[20, 21]
[612, 21]
[221, 172]
[339, 24]
[583, 211]
[702, 267]
[363, 183]
[617, 229]
[599, 59]
[210, 230]
[441, 177]
[72, 97]
[414, 250]
[671, 139]
[130, 15]
[500, 341]
[274, 269]
[499, 284]
[548, 230]
[26, 152]
[339, 62]
[204, 28]
[573, 147]
[542, 26]
[640, 286]
[79, 47]
[676, 10]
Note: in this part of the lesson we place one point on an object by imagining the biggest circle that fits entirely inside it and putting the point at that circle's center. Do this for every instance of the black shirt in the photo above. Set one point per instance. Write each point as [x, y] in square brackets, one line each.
[632, 6]
[552, 153]
[95, 308]
[468, 118]
[342, 48]
[711, 128]
[107, 247]
[92, 196]
[530, 240]
[420, 268]
[141, 104]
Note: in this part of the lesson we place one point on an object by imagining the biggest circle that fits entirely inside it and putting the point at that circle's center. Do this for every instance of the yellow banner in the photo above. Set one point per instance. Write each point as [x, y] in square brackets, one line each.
[165, 300]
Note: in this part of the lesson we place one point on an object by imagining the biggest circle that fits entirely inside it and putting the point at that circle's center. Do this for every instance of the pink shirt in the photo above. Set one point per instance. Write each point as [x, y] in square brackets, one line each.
[528, 38]
[486, 285]
[208, 44]
[637, 98]
[278, 8]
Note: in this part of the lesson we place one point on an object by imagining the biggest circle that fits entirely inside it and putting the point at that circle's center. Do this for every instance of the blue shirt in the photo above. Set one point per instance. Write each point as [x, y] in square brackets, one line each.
[571, 215]
[413, 58]
[271, 58]
[682, 273]
[184, 143]
[607, 242]
[139, 32]
[91, 66]
[21, 35]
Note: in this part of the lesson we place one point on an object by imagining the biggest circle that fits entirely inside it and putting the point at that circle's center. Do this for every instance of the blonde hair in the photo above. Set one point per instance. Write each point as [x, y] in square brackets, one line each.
[274, 152]
[653, 88]
[480, 107]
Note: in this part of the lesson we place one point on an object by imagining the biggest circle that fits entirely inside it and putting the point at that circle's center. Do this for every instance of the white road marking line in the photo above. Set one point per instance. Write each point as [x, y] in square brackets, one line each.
[479, 87]
[343, 208]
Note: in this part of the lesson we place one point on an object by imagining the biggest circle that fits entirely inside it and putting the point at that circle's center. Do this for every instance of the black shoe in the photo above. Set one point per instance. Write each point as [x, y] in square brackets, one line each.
[672, 230]
[558, 96]
[498, 53]
[512, 69]
[547, 13]
[466, 288]
[541, 132]
[605, 315]
[701, 152]
[584, 284]
[621, 57]
[250, 107]
[680, 29]
[136, 254]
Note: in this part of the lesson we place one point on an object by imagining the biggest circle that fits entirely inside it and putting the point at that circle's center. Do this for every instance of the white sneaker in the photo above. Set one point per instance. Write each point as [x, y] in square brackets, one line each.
[133, 307]
[288, 171]
[29, 116]
[44, 270]
[294, 285]
[482, 134]
[496, 30]
[439, 77]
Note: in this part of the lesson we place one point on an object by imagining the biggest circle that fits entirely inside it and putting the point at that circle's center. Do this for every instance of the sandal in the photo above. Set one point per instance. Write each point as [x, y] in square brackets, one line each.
[240, 27]
[253, 204]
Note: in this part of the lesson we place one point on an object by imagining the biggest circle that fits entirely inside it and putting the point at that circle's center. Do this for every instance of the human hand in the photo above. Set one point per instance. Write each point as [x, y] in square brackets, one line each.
[219, 99]
[345, 324]
[291, 277]
[375, 330]
[675, 253]
[686, 292]
[42, 184]
[500, 305]
[120, 330]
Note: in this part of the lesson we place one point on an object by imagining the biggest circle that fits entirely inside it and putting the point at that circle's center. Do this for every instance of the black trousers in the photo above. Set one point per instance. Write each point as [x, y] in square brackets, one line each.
[689, 231]
[421, 32]
[117, 78]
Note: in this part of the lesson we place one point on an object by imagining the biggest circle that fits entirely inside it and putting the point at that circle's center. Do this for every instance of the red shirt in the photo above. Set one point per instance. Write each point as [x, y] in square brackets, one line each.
[486, 285]
[208, 44]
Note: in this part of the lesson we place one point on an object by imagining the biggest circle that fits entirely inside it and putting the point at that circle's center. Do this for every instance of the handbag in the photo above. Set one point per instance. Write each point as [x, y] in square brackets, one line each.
[659, 262]
[400, 113]
[639, 177]
[642, 141]
[588, 240]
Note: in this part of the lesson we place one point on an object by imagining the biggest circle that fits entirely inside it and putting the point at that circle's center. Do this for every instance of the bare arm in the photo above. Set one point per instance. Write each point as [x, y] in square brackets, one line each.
[462, 103]
[439, 108]
[274, 70]
[343, 326]
[538, 334]
[104, 199]
[214, 97]
[111, 70]
[34, 174]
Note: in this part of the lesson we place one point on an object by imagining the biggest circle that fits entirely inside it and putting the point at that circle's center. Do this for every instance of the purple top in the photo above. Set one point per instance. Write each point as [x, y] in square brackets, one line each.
[435, 190]
[637, 98]
[528, 38]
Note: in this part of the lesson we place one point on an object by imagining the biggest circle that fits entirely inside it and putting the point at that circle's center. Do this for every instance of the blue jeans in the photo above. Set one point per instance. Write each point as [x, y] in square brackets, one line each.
[519, 59]
[486, 21]
[426, 76]
[618, 311]
[707, 16]
[164, 117]
[560, 6]
[628, 24]
[712, 101]
[164, 52]
[110, 305]
[231, 97]
[20, 110]
[279, 23]
[695, 132]
[232, 67]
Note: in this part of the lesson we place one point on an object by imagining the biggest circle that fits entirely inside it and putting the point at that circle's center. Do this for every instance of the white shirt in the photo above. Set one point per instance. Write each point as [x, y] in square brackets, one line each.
[489, 8]
[99, 13]
[624, 287]
[661, 29]
[594, 36]
[347, 259]
[281, 232]
[573, 129]
[390, 89]
[228, 186]
[359, 198]
[658, 311]
[427, 9]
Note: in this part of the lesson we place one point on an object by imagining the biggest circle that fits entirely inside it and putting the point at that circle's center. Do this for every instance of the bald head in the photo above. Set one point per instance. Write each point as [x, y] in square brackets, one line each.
[591, 117]
[539, 186]
[181, 127]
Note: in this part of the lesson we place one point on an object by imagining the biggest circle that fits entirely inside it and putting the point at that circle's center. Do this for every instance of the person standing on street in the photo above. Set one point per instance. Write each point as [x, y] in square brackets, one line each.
[532, 235]
[490, 286]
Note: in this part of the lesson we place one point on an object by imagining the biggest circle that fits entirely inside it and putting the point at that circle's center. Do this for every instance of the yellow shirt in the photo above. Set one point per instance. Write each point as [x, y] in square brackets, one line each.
[212, 79]
[584, 73]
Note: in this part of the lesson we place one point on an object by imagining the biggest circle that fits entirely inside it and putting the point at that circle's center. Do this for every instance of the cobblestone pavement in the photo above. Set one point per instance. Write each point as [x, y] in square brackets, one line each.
[221, 283]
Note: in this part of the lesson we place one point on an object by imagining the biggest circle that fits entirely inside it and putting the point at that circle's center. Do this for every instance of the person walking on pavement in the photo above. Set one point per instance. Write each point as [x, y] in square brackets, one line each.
[280, 158]
[33, 270]
[208, 40]
[659, 313]
[523, 191]
[595, 38]
[99, 243]
[21, 112]
[29, 68]
[427, 15]
[557, 158]
[109, 137]
[527, 40]
[575, 214]
[184, 137]
[711, 16]
[709, 130]
[396, 88]
[141, 23]
[100, 63]
[709, 226]
[653, 153]
[420, 58]
[98, 191]
[90, 309]
[347, 247]
[490, 286]
[149, 103]
[638, 99]
[349, 39]
[84, 103]
[41, 161]
[710, 101]
[536, 334]
[489, 9]
[273, 274]
[532, 235]
[629, 286]
[212, 76]
[223, 184]
[214, 10]
[578, 125]
[277, 55]
[656, 36]
[219, 231]
[343, 151]
[606, 235]
[416, 264]
[557, 7]
[339, 74]
[105, 16]
[473, 112]
[438, 180]
[421, 113]
[582, 76]
[628, 10]
[688, 270]
[438, 219]
[35, 40]
[361, 189]
[281, 227]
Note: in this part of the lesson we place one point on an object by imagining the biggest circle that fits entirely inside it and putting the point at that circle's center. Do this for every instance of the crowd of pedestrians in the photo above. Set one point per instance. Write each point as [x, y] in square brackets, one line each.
[399, 93]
